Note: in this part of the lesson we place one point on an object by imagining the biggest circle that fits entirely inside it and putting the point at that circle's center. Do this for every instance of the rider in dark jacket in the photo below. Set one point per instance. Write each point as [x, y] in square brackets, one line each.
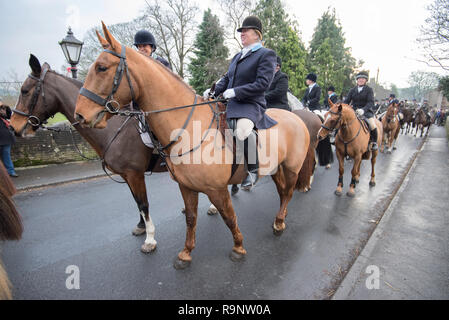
[248, 78]
[277, 94]
[361, 98]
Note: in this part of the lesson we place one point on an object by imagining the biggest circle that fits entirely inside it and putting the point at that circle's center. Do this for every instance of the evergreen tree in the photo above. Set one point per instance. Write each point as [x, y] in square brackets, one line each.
[280, 35]
[328, 55]
[210, 54]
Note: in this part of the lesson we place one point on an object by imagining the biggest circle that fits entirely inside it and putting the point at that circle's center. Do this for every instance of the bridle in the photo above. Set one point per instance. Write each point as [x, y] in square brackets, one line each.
[339, 114]
[110, 105]
[38, 90]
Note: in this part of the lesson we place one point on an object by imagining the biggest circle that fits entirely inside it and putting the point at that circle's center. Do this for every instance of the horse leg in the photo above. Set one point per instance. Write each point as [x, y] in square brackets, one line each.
[384, 139]
[372, 182]
[285, 181]
[341, 171]
[355, 172]
[390, 142]
[222, 200]
[136, 182]
[212, 210]
[191, 211]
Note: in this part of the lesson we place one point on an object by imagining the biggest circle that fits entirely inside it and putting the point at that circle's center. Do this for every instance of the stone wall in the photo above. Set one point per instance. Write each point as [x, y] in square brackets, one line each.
[49, 147]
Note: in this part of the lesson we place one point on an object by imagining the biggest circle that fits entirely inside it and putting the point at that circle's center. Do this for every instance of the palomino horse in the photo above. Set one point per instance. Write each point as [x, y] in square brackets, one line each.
[391, 127]
[11, 227]
[167, 103]
[125, 155]
[352, 140]
[422, 120]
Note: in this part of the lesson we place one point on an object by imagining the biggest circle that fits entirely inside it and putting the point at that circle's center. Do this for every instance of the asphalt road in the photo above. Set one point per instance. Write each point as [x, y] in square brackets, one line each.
[88, 224]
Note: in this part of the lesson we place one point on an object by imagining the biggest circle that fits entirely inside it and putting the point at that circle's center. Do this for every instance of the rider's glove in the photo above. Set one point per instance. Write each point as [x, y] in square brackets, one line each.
[207, 94]
[360, 112]
[229, 94]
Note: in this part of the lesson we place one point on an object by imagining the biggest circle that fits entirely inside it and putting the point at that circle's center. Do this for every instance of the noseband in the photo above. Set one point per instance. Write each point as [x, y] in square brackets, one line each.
[110, 105]
[339, 114]
[39, 90]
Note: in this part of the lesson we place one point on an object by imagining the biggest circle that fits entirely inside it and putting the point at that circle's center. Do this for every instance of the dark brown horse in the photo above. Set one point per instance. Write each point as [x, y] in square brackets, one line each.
[11, 227]
[170, 104]
[352, 140]
[126, 156]
[405, 119]
[422, 121]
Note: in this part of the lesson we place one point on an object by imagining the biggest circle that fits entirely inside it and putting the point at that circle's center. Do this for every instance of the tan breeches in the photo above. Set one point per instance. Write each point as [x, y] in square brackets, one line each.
[244, 128]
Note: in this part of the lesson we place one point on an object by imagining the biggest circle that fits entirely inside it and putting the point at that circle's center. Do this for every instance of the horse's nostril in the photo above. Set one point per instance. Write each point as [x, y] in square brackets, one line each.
[79, 118]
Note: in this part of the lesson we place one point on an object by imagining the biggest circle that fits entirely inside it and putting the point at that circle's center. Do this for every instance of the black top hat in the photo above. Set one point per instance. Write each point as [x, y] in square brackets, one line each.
[251, 22]
[312, 77]
[331, 88]
[392, 95]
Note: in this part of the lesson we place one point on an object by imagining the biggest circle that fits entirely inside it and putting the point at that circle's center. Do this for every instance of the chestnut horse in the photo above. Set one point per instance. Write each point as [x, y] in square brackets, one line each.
[170, 104]
[126, 155]
[391, 127]
[352, 140]
[11, 227]
[406, 120]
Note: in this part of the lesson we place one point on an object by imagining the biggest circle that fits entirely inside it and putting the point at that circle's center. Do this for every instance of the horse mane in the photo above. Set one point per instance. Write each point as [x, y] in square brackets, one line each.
[74, 81]
[171, 73]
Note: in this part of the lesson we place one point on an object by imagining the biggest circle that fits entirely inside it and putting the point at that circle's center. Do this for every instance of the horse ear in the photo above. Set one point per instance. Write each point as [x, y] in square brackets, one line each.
[102, 40]
[115, 45]
[340, 107]
[35, 65]
[331, 104]
[46, 66]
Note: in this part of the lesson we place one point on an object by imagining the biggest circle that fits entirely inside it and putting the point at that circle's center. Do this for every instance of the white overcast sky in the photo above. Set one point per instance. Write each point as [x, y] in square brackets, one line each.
[380, 32]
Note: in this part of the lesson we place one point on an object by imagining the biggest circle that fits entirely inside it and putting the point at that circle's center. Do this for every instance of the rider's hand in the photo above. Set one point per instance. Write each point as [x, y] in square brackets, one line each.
[229, 94]
[207, 94]
[360, 112]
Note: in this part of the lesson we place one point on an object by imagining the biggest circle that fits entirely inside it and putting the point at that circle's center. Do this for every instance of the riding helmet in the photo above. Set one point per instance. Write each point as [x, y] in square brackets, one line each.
[312, 77]
[362, 74]
[144, 37]
[251, 22]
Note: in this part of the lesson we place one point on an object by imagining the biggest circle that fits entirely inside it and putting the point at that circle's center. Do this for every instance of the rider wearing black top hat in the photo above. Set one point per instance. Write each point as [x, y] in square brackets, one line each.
[361, 98]
[312, 96]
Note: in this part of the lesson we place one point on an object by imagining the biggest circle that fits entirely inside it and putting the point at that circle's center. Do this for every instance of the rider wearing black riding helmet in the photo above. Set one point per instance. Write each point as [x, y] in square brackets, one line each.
[361, 98]
[146, 44]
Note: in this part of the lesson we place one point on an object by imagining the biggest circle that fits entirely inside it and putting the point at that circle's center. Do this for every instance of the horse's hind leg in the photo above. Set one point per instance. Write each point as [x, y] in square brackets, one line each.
[191, 212]
[285, 181]
[222, 200]
[136, 182]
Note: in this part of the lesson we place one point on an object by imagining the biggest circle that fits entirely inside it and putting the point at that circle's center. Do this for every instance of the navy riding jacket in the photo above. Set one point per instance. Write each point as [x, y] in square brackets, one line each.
[250, 77]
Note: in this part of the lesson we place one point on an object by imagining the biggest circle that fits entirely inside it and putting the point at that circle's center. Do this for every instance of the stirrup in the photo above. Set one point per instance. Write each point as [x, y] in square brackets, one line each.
[250, 180]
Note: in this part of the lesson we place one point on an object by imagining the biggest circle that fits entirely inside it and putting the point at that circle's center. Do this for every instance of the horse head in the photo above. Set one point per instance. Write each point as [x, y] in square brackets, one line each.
[107, 85]
[332, 120]
[32, 109]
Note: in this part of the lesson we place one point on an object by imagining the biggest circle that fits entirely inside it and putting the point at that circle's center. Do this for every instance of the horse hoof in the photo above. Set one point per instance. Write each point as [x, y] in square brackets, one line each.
[389, 152]
[212, 211]
[372, 184]
[183, 210]
[394, 148]
[357, 181]
[236, 257]
[351, 194]
[180, 264]
[138, 232]
[338, 193]
[148, 248]
[234, 190]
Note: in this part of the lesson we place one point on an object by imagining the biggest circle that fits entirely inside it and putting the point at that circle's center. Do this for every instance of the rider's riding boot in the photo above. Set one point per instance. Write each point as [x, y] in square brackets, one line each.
[373, 140]
[250, 145]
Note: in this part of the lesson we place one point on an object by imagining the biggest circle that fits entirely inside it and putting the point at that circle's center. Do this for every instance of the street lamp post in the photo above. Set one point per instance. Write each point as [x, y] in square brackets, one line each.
[71, 47]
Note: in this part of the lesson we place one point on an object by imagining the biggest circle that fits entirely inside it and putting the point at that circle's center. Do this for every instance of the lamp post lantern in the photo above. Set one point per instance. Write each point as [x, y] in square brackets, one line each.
[71, 47]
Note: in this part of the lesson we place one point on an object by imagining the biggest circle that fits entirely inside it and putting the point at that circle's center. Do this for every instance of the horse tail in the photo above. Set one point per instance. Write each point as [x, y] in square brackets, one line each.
[5, 285]
[11, 227]
[324, 150]
[304, 181]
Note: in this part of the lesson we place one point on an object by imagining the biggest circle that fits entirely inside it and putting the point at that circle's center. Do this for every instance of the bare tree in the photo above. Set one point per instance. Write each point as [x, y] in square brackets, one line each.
[434, 39]
[235, 12]
[173, 24]
[422, 83]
